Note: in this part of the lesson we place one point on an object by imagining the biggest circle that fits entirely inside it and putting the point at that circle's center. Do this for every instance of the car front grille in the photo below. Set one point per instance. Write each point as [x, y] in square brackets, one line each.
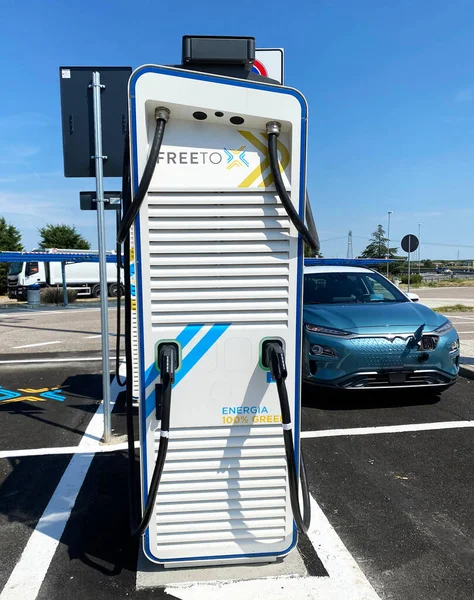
[378, 352]
[384, 352]
[395, 379]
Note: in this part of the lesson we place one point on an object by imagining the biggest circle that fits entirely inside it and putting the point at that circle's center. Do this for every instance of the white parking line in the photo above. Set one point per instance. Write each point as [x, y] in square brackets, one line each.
[35, 345]
[25, 311]
[24, 361]
[459, 317]
[387, 429]
[26, 578]
[64, 450]
[321, 433]
[346, 581]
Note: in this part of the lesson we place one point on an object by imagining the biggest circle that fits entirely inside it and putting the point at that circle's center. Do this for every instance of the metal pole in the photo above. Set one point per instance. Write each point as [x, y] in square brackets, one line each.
[63, 275]
[104, 308]
[388, 240]
[419, 247]
[409, 259]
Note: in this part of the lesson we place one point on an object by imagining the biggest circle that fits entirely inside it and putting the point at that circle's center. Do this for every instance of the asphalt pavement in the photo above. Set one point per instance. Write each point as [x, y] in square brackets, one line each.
[445, 296]
[400, 499]
[54, 331]
[390, 474]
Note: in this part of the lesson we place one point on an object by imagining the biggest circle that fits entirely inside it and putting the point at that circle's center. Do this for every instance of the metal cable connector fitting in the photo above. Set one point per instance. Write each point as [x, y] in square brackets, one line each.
[273, 127]
[161, 112]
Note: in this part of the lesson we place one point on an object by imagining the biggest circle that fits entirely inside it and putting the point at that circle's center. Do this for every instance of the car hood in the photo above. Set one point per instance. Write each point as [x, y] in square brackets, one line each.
[399, 317]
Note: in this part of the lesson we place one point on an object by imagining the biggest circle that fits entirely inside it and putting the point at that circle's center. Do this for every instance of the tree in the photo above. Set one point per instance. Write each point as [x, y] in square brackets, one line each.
[378, 248]
[428, 264]
[10, 241]
[310, 253]
[62, 236]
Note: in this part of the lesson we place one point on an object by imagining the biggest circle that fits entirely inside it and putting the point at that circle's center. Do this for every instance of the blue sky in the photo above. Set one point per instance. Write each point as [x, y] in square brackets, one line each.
[390, 85]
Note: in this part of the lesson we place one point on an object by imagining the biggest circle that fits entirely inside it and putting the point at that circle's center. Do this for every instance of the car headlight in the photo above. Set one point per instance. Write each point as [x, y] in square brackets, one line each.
[327, 330]
[454, 346]
[318, 350]
[446, 327]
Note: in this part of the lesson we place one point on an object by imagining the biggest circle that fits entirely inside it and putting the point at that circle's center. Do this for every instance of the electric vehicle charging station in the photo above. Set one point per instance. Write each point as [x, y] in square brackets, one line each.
[216, 266]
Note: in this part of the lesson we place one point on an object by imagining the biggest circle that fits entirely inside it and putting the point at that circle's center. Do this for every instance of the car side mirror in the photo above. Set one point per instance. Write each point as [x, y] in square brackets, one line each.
[413, 297]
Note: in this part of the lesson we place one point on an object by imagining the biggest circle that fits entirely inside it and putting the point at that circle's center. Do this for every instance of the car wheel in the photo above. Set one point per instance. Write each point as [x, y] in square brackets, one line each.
[114, 288]
[95, 292]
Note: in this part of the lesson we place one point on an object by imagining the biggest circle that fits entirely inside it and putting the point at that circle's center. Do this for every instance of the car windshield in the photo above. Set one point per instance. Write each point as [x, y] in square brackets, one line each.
[15, 268]
[349, 288]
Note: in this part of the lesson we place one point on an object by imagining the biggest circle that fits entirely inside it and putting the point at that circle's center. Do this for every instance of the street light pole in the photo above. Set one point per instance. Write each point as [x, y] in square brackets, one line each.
[388, 239]
[419, 247]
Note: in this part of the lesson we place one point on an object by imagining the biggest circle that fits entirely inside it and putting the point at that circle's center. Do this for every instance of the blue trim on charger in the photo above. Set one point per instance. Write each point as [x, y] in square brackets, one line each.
[299, 307]
[133, 136]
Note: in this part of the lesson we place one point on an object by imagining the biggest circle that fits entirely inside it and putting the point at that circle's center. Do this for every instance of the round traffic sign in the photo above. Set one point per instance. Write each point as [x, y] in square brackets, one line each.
[260, 68]
[410, 243]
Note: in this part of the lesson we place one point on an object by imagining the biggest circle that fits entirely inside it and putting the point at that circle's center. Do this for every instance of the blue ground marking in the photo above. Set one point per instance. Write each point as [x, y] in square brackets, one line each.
[8, 395]
[53, 395]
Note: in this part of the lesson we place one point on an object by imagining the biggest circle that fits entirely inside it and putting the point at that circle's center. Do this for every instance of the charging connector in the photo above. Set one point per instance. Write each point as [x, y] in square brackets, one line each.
[273, 358]
[167, 363]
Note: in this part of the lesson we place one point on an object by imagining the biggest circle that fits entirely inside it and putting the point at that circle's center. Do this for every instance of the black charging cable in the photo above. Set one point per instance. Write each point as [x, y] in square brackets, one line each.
[125, 204]
[133, 490]
[162, 116]
[274, 359]
[167, 363]
[309, 235]
[311, 224]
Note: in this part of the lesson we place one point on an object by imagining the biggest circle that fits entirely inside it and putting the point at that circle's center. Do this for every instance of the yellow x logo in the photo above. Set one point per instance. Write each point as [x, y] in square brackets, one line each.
[265, 164]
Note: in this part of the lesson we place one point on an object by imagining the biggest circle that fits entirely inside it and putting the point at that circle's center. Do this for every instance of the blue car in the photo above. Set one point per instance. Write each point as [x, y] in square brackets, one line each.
[362, 332]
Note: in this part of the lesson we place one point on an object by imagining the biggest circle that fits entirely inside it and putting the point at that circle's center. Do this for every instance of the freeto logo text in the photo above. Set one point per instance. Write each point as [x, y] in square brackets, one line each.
[190, 158]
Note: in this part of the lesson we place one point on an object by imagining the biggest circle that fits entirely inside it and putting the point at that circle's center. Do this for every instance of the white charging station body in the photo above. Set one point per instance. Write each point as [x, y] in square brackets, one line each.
[217, 268]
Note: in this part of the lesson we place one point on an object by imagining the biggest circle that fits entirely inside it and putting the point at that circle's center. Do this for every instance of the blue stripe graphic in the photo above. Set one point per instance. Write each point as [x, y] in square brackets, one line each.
[200, 350]
[190, 361]
[184, 337]
[188, 333]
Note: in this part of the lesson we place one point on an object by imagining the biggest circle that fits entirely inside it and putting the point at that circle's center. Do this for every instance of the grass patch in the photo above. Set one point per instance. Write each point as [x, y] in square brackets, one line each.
[52, 295]
[454, 308]
[444, 283]
[451, 283]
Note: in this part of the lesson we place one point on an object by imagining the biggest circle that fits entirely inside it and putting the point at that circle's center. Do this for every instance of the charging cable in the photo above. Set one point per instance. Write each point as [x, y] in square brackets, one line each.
[308, 234]
[162, 116]
[168, 363]
[273, 357]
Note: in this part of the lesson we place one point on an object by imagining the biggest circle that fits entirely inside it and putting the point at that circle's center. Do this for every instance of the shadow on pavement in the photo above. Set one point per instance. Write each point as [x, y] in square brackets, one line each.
[327, 399]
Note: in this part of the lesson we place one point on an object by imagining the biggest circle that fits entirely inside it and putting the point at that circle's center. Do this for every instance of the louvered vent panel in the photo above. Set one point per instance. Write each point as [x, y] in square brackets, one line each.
[218, 258]
[218, 489]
